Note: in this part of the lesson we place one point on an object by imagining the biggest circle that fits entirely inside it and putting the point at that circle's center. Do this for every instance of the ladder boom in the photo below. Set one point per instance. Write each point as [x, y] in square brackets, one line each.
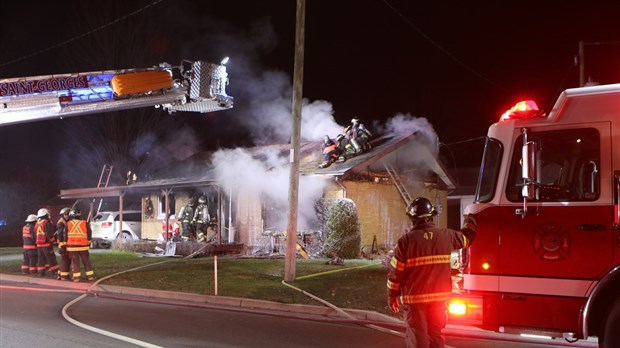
[196, 86]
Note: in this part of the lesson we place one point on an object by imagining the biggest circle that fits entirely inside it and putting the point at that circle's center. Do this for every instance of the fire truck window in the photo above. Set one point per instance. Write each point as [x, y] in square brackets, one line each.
[567, 168]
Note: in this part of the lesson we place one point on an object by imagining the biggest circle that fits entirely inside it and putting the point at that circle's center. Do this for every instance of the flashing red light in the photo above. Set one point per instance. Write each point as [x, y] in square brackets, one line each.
[522, 110]
[106, 224]
[65, 99]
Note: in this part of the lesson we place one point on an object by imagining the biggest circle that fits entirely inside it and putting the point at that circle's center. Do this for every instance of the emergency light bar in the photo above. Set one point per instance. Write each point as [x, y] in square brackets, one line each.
[522, 110]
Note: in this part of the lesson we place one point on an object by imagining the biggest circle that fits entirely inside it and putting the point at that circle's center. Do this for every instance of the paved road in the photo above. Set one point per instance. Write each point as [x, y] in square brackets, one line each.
[165, 325]
[33, 319]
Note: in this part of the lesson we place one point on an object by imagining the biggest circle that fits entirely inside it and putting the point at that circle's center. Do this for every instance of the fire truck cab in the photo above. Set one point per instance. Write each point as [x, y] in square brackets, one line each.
[546, 259]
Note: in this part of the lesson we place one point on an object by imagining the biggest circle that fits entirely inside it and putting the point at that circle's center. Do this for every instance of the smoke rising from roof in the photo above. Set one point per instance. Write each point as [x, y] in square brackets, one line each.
[265, 173]
[408, 124]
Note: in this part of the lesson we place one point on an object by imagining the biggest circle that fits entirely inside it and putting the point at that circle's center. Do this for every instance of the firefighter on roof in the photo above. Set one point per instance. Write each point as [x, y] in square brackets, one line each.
[358, 135]
[29, 264]
[345, 148]
[79, 236]
[44, 230]
[420, 273]
[330, 152]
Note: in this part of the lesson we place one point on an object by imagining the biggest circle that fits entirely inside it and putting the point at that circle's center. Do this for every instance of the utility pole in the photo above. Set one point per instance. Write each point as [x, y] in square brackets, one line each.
[581, 65]
[581, 57]
[293, 194]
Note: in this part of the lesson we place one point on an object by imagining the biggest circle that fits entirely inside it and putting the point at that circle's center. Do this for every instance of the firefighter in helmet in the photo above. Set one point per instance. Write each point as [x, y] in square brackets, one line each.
[358, 135]
[330, 152]
[202, 219]
[61, 235]
[422, 288]
[29, 264]
[345, 148]
[186, 215]
[79, 236]
[44, 229]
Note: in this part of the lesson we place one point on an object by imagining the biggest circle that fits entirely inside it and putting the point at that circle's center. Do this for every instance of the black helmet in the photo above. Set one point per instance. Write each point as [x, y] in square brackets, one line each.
[75, 213]
[339, 137]
[202, 200]
[421, 208]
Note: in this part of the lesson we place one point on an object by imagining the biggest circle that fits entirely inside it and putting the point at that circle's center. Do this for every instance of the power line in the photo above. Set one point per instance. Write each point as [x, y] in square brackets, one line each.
[118, 20]
[439, 47]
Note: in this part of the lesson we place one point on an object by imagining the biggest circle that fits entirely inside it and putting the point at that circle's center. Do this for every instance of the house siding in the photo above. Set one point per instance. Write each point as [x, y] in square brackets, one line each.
[381, 208]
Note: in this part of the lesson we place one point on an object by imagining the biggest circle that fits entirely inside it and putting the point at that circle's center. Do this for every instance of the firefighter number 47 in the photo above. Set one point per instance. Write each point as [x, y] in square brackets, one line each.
[428, 235]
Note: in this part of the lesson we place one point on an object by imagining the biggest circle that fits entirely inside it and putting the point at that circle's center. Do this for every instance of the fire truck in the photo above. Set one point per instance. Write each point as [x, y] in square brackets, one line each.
[192, 86]
[546, 259]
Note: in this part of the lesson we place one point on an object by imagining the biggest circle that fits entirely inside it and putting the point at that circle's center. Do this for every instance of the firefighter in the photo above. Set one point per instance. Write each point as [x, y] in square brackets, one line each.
[61, 233]
[186, 215]
[358, 135]
[330, 152]
[79, 236]
[345, 148]
[420, 273]
[44, 229]
[29, 264]
[202, 219]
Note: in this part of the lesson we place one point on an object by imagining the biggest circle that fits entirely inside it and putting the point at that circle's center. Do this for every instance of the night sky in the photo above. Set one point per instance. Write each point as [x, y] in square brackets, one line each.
[457, 64]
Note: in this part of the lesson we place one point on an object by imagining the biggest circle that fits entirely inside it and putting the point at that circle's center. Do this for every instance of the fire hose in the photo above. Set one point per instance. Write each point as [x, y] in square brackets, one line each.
[332, 306]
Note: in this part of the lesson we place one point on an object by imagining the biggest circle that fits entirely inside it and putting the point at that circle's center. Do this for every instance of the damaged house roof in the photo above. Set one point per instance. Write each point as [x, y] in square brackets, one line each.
[408, 152]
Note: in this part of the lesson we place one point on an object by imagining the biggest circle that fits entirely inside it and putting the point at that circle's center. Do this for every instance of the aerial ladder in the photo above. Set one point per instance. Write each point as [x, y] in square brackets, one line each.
[192, 86]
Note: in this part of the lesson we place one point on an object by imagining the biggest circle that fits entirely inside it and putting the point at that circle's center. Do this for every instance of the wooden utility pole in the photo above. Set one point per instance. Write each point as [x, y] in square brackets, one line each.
[293, 194]
[582, 80]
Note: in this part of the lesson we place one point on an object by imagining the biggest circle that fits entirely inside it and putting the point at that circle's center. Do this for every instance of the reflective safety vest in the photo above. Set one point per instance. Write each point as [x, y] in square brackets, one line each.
[77, 236]
[28, 237]
[42, 238]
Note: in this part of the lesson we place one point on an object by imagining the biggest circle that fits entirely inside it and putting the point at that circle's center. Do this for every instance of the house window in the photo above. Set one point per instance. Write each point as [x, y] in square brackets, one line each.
[161, 213]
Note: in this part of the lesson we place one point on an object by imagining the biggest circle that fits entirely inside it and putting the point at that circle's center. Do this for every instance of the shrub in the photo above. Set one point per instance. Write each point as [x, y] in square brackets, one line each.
[345, 235]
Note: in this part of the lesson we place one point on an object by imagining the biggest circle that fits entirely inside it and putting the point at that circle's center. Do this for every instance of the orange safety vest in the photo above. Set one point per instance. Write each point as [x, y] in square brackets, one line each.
[29, 243]
[77, 236]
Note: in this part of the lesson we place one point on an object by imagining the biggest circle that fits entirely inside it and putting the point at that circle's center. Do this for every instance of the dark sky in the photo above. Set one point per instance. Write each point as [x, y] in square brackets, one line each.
[458, 64]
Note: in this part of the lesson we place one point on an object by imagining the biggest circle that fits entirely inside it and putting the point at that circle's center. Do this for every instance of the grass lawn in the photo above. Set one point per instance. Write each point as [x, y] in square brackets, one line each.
[358, 284]
[11, 251]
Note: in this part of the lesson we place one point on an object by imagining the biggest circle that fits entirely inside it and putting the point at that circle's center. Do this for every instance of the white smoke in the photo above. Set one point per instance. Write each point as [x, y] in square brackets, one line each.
[265, 173]
[405, 124]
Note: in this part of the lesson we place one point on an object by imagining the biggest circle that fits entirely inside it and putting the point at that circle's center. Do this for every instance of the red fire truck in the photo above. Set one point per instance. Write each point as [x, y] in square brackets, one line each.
[546, 259]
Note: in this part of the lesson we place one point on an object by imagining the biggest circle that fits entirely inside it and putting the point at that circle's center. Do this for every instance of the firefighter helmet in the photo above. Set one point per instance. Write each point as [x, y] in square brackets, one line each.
[31, 218]
[326, 139]
[65, 210]
[421, 208]
[355, 120]
[42, 213]
[202, 200]
[75, 213]
[339, 137]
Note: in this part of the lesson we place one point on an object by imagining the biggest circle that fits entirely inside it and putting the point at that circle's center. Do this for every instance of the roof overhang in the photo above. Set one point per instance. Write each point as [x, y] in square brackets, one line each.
[137, 188]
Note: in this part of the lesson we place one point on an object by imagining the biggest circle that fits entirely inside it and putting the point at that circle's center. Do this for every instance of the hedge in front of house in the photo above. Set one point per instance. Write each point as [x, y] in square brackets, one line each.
[345, 234]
